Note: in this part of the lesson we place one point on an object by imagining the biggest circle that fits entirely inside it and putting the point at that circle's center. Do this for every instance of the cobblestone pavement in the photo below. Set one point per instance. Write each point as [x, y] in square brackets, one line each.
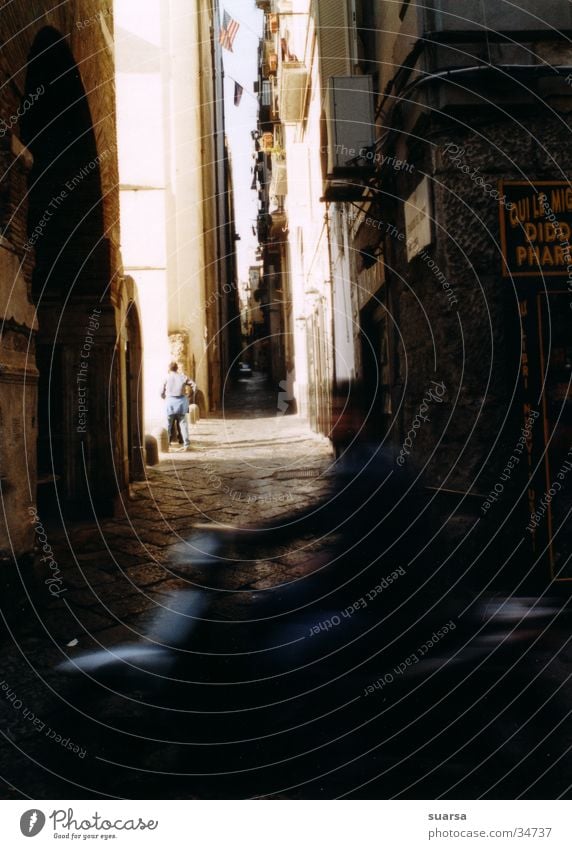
[310, 728]
[246, 466]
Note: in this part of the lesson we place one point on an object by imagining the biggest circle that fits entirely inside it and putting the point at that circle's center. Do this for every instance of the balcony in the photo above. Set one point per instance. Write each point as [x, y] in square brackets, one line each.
[263, 226]
[466, 15]
[279, 228]
[278, 183]
[463, 33]
[269, 58]
[292, 92]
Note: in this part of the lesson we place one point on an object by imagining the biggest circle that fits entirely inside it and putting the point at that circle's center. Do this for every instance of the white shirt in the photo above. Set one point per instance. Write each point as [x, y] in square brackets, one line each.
[175, 384]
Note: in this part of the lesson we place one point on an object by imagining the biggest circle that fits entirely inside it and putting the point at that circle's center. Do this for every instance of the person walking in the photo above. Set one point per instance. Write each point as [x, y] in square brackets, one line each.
[177, 400]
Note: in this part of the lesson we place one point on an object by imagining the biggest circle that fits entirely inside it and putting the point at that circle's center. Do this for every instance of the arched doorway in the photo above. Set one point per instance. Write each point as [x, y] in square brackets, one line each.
[70, 286]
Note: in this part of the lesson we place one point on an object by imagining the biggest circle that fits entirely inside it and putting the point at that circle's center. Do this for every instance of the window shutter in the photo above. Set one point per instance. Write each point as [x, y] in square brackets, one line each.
[333, 28]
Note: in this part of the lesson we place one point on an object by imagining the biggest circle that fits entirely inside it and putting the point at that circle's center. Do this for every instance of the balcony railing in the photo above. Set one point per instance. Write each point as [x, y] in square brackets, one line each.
[278, 183]
[292, 91]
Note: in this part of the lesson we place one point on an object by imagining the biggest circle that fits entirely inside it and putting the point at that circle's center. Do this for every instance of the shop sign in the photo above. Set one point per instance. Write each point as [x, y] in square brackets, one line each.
[536, 228]
[418, 219]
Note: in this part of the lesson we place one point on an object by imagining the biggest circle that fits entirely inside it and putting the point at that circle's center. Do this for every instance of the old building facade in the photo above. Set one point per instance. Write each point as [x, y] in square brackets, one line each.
[178, 233]
[68, 400]
[473, 125]
[93, 310]
[436, 277]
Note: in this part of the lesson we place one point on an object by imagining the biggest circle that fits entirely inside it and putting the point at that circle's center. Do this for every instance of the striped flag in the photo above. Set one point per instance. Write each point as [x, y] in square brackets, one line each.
[238, 89]
[228, 31]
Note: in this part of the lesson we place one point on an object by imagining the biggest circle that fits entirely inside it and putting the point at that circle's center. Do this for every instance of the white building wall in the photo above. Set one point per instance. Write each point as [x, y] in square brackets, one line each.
[309, 249]
[143, 181]
[160, 142]
[185, 143]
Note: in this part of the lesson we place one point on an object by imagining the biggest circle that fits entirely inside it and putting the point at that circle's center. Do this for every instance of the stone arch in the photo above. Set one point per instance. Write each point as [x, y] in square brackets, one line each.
[71, 281]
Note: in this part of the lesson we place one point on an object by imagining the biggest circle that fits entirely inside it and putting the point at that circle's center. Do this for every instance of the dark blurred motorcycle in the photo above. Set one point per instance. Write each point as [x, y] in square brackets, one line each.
[368, 666]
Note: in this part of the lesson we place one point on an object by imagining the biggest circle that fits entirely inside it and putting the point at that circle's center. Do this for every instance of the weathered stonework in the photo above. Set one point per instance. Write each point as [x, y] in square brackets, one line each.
[43, 327]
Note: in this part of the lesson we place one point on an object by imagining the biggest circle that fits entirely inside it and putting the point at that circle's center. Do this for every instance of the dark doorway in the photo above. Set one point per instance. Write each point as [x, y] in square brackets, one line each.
[374, 351]
[71, 273]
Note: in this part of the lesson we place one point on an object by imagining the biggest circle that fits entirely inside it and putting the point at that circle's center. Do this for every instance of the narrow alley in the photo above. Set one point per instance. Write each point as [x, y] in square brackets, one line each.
[249, 465]
[285, 401]
[172, 655]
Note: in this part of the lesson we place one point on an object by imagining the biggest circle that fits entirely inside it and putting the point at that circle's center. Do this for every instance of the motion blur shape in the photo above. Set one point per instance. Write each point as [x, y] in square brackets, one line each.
[244, 370]
[365, 676]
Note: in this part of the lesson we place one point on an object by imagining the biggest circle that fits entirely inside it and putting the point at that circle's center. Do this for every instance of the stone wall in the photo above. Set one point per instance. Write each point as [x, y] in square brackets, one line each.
[85, 30]
[457, 316]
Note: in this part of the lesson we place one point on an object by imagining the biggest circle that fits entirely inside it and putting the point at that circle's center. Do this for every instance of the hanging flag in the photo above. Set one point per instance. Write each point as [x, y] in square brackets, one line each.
[228, 31]
[238, 89]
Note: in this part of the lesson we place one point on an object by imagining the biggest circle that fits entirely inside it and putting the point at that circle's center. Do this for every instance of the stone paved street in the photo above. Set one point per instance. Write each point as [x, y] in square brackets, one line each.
[247, 466]
[215, 687]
